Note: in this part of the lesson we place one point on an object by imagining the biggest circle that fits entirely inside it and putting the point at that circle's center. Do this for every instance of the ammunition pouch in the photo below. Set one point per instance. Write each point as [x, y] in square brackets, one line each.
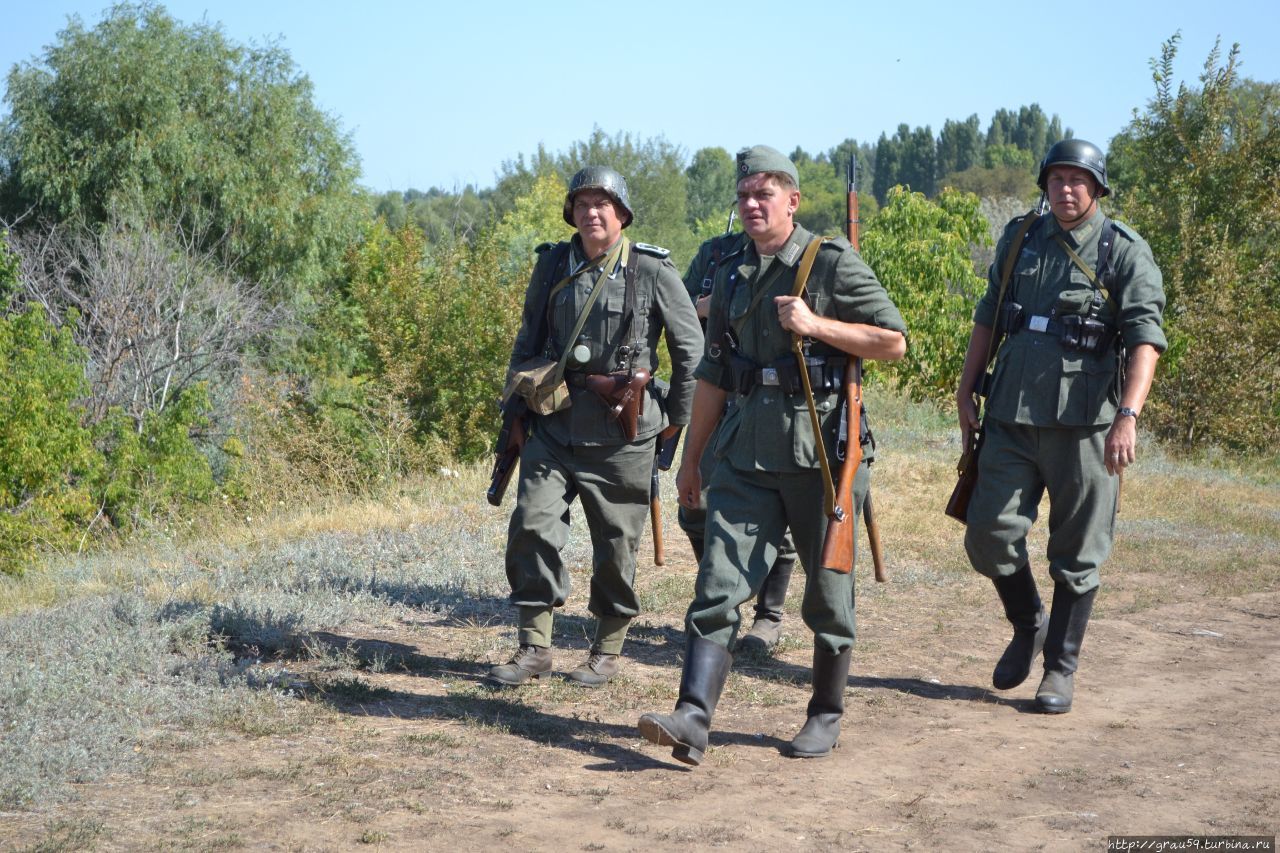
[1085, 334]
[622, 393]
[1010, 319]
[1076, 333]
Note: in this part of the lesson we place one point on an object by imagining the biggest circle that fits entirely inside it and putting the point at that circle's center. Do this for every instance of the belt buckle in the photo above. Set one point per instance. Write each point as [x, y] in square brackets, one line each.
[1038, 323]
[768, 376]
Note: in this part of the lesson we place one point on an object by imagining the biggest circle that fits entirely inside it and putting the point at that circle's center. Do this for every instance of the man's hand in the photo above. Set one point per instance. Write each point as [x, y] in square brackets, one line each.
[703, 307]
[689, 485]
[795, 316]
[1121, 449]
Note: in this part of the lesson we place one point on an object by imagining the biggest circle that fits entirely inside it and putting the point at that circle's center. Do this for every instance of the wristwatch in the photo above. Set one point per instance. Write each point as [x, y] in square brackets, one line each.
[1126, 412]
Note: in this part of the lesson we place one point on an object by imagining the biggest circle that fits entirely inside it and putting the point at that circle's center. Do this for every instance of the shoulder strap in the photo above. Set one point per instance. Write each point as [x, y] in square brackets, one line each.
[806, 265]
[630, 299]
[619, 251]
[1103, 274]
[555, 261]
[1006, 272]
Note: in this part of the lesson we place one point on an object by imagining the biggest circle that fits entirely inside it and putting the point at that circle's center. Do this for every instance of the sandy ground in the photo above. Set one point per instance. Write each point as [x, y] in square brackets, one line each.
[1173, 731]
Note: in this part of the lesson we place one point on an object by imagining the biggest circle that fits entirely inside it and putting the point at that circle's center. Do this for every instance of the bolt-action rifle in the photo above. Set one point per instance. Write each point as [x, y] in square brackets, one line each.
[515, 413]
[853, 383]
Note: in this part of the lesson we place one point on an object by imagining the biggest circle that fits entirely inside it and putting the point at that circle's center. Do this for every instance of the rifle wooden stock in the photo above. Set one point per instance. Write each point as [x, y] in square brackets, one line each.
[837, 544]
[507, 448]
[655, 519]
[873, 536]
[966, 479]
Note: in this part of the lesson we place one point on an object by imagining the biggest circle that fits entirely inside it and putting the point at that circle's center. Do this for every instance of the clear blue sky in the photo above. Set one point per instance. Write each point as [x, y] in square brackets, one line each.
[441, 95]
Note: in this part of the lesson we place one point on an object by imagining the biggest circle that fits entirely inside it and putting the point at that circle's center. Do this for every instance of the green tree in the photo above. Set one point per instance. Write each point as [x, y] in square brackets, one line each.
[822, 197]
[176, 123]
[1008, 154]
[959, 145]
[441, 319]
[653, 168]
[920, 250]
[1198, 174]
[712, 185]
[888, 163]
[919, 161]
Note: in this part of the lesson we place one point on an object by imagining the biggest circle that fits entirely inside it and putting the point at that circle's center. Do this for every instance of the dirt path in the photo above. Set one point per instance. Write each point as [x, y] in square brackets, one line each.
[1174, 731]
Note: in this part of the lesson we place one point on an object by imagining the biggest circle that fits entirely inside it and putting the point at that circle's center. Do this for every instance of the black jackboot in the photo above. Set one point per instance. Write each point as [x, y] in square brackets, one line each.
[1024, 611]
[821, 731]
[706, 666]
[1067, 621]
[766, 629]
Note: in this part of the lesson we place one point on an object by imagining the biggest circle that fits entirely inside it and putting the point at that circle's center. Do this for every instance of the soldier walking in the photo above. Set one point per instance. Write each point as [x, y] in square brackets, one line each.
[1080, 325]
[596, 306]
[767, 475]
[766, 626]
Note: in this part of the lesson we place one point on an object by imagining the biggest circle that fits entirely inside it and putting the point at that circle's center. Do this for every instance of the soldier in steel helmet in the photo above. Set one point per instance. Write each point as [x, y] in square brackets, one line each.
[767, 475]
[1076, 332]
[607, 301]
[766, 625]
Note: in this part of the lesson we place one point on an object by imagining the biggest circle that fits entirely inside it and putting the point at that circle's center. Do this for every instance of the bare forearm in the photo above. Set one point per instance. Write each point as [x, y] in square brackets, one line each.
[974, 361]
[1140, 370]
[860, 339]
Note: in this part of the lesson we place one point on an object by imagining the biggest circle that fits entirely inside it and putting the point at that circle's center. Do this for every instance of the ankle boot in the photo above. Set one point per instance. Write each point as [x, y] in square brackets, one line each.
[706, 666]
[766, 629]
[605, 658]
[821, 731]
[1067, 621]
[1024, 611]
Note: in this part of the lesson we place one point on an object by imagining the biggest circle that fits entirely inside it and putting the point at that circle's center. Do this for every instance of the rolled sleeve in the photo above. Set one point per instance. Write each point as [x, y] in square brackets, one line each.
[1142, 297]
[860, 298]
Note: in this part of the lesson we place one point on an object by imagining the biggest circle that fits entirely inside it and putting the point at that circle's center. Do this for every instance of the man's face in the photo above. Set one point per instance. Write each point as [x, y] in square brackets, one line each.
[765, 208]
[596, 216]
[1072, 191]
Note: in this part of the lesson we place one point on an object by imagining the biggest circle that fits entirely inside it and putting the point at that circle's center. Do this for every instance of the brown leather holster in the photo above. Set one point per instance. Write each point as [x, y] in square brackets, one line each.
[623, 393]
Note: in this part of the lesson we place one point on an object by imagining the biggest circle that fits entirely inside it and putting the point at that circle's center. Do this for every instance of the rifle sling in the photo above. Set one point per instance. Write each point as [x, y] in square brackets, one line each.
[797, 347]
[1006, 272]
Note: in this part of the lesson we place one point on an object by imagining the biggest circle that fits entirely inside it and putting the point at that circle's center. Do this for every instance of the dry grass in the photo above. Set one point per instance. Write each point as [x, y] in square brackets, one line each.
[316, 602]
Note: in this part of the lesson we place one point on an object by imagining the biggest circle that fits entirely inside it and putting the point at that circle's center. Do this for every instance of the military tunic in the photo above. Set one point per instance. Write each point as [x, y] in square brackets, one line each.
[767, 476]
[581, 452]
[1050, 407]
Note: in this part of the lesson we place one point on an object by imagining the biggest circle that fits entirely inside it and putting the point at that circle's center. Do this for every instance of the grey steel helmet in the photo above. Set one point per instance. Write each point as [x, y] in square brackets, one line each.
[1076, 152]
[598, 178]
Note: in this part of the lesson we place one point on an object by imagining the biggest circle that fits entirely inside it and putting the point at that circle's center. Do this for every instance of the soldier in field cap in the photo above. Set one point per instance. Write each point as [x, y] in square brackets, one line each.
[767, 476]
[595, 308]
[766, 625]
[1073, 312]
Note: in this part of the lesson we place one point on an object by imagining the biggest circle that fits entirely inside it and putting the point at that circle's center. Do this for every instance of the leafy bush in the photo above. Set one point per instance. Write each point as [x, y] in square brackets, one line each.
[157, 470]
[441, 325]
[920, 250]
[345, 436]
[1198, 174]
[46, 454]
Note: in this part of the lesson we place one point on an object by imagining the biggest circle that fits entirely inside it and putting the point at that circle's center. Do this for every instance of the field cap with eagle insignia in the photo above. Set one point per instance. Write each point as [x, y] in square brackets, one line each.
[762, 158]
